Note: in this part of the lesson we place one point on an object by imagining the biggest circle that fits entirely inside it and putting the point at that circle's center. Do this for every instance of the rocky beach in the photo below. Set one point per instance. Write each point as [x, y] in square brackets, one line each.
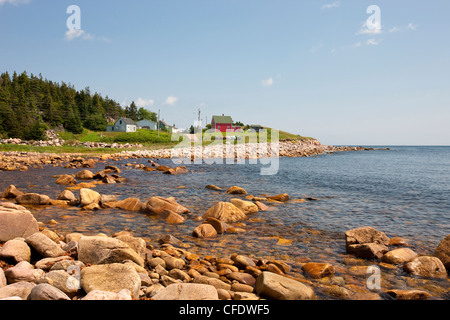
[45, 260]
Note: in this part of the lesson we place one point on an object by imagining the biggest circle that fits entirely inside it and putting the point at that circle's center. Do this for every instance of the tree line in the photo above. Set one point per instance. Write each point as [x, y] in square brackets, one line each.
[29, 105]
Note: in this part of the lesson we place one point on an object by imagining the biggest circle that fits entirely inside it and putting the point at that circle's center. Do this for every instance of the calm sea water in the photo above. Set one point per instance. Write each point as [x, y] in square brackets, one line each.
[403, 191]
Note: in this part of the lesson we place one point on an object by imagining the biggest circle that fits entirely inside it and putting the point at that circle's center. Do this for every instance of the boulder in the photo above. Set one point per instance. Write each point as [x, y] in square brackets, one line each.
[273, 286]
[172, 217]
[213, 187]
[236, 190]
[108, 198]
[98, 295]
[187, 291]
[220, 226]
[427, 267]
[443, 251]
[67, 195]
[130, 204]
[11, 192]
[66, 179]
[45, 291]
[242, 261]
[205, 231]
[135, 243]
[44, 245]
[368, 250]
[226, 212]
[177, 170]
[112, 277]
[67, 283]
[88, 196]
[409, 294]
[15, 251]
[84, 175]
[157, 205]
[365, 235]
[3, 281]
[318, 270]
[245, 206]
[103, 250]
[19, 289]
[33, 199]
[399, 256]
[21, 273]
[216, 283]
[280, 197]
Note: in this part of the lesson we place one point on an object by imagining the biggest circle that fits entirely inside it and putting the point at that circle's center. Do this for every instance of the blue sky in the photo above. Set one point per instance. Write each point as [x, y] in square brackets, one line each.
[308, 67]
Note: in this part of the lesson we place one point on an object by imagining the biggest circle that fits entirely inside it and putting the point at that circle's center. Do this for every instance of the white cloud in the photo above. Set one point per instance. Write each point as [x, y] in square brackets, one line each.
[14, 2]
[73, 34]
[142, 103]
[411, 27]
[170, 101]
[376, 29]
[267, 83]
[394, 29]
[335, 4]
[79, 33]
[373, 42]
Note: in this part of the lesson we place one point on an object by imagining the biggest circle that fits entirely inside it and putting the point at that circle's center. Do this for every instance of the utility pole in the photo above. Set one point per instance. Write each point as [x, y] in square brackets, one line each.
[159, 111]
[199, 121]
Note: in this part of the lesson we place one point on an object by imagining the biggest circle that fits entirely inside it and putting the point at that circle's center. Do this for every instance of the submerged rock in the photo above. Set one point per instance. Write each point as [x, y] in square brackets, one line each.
[226, 212]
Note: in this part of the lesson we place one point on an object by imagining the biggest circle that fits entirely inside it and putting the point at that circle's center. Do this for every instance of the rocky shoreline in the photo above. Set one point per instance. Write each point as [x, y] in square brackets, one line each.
[38, 263]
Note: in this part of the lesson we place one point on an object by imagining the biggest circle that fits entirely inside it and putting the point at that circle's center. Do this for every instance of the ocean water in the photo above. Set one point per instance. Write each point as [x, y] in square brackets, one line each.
[403, 192]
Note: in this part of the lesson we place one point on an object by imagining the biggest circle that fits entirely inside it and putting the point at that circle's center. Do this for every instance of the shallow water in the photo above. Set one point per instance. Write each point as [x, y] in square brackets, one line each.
[403, 192]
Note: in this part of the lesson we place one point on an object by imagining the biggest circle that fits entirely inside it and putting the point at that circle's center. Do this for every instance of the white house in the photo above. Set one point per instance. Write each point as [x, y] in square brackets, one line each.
[123, 125]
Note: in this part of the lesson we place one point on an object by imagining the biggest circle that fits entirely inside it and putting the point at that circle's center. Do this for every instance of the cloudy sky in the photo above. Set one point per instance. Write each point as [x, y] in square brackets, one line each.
[345, 72]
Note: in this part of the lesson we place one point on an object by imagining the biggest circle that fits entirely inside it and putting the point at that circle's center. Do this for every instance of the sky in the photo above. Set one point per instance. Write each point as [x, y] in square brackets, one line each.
[344, 72]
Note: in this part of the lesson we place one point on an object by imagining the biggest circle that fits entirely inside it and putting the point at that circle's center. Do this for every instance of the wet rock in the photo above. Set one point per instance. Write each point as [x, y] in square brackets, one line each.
[213, 187]
[177, 170]
[226, 212]
[187, 291]
[66, 179]
[318, 270]
[280, 197]
[84, 175]
[67, 195]
[409, 294]
[274, 286]
[368, 250]
[205, 231]
[19, 289]
[242, 261]
[88, 196]
[242, 277]
[220, 226]
[236, 190]
[398, 241]
[11, 192]
[130, 204]
[426, 266]
[92, 206]
[33, 199]
[262, 206]
[443, 251]
[101, 250]
[365, 235]
[399, 256]
[108, 198]
[15, 251]
[172, 217]
[157, 205]
[246, 206]
[44, 245]
[111, 277]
